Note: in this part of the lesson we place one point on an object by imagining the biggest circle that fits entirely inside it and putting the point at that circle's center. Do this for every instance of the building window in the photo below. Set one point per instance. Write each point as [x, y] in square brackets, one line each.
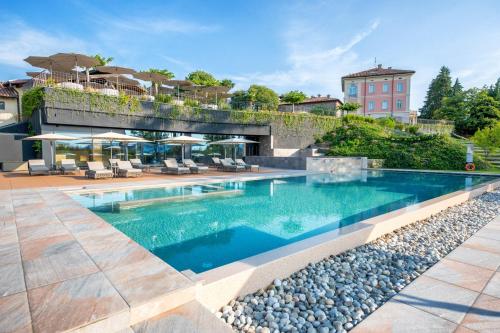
[385, 87]
[385, 105]
[399, 87]
[353, 90]
[2, 105]
[371, 88]
[399, 104]
[371, 105]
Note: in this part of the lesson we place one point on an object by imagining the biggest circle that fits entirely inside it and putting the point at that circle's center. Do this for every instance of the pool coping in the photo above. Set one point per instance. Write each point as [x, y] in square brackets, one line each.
[216, 287]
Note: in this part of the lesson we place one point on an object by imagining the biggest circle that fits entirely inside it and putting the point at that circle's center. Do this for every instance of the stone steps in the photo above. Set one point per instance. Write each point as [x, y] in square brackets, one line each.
[191, 317]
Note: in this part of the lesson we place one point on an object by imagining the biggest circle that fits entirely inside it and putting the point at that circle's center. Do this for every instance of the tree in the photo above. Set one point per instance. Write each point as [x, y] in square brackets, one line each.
[164, 72]
[457, 88]
[453, 108]
[488, 138]
[227, 83]
[484, 111]
[439, 88]
[240, 100]
[494, 90]
[103, 61]
[349, 107]
[263, 97]
[294, 97]
[202, 78]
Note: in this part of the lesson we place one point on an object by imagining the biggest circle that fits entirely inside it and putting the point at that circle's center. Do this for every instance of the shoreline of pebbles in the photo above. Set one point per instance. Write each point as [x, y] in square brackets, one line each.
[338, 292]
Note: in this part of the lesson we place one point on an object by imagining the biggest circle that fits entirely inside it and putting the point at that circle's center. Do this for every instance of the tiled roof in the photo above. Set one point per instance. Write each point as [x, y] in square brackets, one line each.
[318, 99]
[8, 92]
[378, 71]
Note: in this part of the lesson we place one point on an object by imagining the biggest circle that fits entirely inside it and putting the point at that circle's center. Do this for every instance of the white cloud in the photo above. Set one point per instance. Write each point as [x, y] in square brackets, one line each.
[19, 41]
[313, 65]
[151, 25]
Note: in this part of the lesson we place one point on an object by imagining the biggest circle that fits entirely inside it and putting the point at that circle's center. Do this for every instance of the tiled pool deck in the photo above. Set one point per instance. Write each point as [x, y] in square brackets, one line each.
[461, 293]
[63, 268]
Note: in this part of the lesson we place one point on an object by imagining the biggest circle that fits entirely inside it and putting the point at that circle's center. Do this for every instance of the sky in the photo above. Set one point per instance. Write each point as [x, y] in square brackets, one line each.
[283, 44]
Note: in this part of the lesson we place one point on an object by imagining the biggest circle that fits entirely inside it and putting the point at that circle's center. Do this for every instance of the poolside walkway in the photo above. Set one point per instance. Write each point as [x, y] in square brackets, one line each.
[63, 268]
[461, 293]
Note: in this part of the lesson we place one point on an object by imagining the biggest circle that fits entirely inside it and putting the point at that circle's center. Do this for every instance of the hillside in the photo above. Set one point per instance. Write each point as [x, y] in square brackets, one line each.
[400, 147]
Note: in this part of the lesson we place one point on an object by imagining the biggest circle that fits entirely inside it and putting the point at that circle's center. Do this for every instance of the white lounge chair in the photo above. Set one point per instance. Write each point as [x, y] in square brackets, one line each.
[137, 163]
[194, 168]
[97, 170]
[227, 166]
[249, 167]
[171, 167]
[125, 169]
[69, 166]
[37, 167]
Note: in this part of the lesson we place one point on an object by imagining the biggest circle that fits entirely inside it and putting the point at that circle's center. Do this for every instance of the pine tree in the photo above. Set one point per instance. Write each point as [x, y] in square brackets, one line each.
[494, 90]
[457, 88]
[439, 88]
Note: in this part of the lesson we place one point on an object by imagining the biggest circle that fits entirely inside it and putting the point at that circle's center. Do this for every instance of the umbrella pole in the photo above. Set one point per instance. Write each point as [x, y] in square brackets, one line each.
[52, 155]
[76, 66]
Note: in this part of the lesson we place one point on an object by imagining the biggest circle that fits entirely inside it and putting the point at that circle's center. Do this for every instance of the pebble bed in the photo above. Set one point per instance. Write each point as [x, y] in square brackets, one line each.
[337, 293]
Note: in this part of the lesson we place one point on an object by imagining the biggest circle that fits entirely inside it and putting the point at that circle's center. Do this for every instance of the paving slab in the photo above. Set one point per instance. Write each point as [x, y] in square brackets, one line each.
[14, 314]
[483, 244]
[475, 257]
[78, 302]
[484, 315]
[460, 274]
[442, 299]
[493, 286]
[189, 318]
[11, 279]
[397, 317]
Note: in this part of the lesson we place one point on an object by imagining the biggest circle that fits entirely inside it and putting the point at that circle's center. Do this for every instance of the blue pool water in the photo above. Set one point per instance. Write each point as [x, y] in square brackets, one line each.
[205, 226]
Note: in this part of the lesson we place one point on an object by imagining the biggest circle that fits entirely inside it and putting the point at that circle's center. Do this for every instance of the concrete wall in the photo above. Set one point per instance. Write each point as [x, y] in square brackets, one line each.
[319, 164]
[11, 147]
[336, 164]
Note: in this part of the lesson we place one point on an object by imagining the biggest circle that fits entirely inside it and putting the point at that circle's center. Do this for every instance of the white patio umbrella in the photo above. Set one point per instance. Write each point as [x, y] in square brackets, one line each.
[112, 137]
[51, 137]
[183, 140]
[233, 142]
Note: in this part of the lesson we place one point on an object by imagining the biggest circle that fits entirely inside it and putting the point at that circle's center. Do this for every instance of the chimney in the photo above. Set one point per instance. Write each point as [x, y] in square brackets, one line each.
[379, 66]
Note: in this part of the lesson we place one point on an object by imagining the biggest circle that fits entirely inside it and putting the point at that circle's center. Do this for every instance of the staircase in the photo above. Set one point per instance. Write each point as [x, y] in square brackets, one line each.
[493, 157]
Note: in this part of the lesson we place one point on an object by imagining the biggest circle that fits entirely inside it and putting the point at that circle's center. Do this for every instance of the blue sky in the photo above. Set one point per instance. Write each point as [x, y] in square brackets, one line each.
[305, 45]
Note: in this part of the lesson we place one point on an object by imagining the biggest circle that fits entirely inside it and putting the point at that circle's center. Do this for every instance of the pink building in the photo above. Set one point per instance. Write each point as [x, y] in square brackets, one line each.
[381, 92]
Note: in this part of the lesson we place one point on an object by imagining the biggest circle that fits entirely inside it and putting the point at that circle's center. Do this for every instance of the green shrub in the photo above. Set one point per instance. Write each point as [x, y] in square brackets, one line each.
[406, 151]
[162, 98]
[386, 122]
[323, 111]
[31, 100]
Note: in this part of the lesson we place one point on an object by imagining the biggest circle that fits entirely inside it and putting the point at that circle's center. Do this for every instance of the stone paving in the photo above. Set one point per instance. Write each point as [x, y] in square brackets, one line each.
[461, 293]
[64, 268]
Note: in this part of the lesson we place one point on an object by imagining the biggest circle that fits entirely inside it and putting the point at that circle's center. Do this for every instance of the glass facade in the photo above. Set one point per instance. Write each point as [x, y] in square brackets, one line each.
[152, 152]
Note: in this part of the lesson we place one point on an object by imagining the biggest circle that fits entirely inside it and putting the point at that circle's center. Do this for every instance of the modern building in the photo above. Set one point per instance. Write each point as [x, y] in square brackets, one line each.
[381, 92]
[319, 102]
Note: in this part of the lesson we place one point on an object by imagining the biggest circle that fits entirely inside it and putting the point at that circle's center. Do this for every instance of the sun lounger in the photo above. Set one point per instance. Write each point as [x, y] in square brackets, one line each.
[171, 167]
[37, 167]
[97, 170]
[249, 167]
[227, 166]
[216, 162]
[69, 166]
[137, 163]
[113, 162]
[194, 167]
[125, 169]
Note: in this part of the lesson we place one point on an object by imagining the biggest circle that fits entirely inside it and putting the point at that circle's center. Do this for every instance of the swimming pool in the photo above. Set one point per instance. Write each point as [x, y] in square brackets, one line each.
[200, 227]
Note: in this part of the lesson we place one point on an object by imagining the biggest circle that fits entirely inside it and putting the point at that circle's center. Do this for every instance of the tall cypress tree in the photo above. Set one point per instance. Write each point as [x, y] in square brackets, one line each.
[494, 90]
[439, 88]
[457, 88]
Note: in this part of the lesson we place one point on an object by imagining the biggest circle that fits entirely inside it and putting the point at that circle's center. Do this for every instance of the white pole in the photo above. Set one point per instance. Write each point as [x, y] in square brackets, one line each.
[52, 155]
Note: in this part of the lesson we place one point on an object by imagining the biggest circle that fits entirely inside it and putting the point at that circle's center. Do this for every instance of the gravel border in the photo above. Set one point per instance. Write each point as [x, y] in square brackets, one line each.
[337, 293]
